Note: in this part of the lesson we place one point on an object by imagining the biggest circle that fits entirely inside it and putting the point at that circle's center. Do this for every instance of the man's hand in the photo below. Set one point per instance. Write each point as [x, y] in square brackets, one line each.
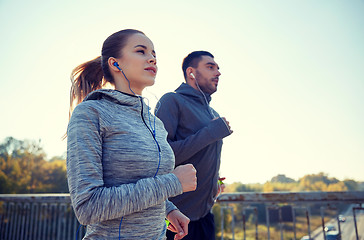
[178, 224]
[227, 123]
[220, 186]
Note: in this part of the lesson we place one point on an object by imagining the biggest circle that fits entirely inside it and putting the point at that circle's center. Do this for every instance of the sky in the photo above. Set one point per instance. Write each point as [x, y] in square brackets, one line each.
[292, 83]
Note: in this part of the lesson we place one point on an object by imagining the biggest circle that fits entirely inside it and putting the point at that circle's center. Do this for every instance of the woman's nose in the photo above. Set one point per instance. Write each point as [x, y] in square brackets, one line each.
[153, 60]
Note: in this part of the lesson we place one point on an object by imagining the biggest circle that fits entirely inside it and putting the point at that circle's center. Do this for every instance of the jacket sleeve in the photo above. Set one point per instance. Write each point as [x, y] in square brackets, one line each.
[92, 201]
[170, 207]
[168, 111]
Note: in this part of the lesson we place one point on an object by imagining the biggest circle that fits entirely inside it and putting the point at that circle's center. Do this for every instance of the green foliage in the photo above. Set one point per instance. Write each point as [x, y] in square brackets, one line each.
[351, 185]
[310, 182]
[281, 178]
[24, 169]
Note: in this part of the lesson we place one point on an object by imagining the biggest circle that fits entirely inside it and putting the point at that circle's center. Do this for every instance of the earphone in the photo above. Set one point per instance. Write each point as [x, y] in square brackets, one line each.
[116, 64]
[207, 103]
[150, 127]
[152, 130]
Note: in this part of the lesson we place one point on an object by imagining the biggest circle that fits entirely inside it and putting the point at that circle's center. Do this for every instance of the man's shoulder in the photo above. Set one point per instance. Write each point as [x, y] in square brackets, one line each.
[171, 96]
[169, 102]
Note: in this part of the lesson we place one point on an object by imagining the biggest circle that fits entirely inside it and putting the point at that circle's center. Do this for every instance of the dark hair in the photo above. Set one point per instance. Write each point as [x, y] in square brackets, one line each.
[92, 75]
[193, 59]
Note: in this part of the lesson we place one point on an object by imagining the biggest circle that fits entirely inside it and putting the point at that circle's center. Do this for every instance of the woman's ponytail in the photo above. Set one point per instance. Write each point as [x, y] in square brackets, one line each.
[85, 78]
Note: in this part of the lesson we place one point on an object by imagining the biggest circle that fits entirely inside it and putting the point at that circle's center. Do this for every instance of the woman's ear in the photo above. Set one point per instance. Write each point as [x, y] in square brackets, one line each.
[113, 64]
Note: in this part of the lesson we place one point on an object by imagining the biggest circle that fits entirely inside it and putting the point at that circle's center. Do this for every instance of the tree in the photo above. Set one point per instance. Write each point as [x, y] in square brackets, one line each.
[337, 187]
[4, 183]
[24, 168]
[351, 185]
[281, 178]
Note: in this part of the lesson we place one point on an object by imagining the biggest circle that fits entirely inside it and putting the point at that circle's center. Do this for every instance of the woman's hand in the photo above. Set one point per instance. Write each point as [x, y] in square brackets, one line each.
[186, 174]
[178, 224]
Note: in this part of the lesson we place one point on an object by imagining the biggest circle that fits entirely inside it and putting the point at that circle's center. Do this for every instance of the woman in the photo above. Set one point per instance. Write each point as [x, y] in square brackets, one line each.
[119, 164]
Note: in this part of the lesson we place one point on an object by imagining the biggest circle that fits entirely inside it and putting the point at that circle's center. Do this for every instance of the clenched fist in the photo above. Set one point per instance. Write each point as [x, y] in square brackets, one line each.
[186, 174]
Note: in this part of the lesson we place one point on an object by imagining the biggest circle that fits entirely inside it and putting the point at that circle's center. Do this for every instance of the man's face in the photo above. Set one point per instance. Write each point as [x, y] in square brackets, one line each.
[207, 74]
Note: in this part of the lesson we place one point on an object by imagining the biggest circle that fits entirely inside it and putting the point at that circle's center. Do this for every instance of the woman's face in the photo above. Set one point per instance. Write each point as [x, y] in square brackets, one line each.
[138, 62]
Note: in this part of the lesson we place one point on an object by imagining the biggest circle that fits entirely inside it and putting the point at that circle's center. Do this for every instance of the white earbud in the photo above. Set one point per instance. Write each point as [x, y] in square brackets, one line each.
[192, 75]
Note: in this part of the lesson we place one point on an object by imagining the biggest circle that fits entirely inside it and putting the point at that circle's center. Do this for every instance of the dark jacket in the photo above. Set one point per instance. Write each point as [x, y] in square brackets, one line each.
[195, 138]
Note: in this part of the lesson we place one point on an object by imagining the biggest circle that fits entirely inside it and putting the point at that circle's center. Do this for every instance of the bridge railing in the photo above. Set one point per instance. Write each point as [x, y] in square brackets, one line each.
[50, 216]
[281, 207]
[38, 217]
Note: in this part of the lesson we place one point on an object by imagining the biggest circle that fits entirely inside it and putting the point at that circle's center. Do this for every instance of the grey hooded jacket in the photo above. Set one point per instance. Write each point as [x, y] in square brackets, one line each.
[119, 166]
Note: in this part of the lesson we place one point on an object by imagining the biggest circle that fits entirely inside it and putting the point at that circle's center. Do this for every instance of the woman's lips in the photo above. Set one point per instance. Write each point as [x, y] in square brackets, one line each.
[151, 70]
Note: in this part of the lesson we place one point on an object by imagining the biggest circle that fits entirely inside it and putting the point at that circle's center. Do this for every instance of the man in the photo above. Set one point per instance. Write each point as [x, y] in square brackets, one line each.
[195, 133]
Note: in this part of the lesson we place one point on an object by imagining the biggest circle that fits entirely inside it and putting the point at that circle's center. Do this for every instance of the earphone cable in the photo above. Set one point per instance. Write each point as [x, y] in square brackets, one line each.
[207, 103]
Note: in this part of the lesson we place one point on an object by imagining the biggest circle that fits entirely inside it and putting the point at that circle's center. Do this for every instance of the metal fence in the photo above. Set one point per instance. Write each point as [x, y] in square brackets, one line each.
[50, 216]
[38, 217]
[283, 207]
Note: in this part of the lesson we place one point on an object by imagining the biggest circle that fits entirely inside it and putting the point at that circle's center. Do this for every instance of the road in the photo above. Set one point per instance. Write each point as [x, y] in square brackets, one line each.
[347, 227]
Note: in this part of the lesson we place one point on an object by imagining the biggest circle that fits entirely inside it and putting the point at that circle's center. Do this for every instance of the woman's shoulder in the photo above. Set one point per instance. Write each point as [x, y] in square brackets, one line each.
[89, 105]
[92, 109]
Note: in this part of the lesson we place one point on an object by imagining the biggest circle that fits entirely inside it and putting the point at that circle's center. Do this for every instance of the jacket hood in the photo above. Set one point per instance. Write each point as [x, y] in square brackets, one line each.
[187, 90]
[114, 96]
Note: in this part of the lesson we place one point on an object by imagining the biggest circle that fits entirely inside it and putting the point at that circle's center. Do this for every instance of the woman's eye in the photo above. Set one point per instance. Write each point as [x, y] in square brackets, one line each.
[141, 51]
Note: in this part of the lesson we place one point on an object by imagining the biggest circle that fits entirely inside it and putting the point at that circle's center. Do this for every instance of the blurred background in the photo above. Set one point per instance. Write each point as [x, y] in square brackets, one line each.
[291, 86]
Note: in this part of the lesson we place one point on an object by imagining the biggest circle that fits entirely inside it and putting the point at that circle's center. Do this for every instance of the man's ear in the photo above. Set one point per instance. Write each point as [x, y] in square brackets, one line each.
[190, 72]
